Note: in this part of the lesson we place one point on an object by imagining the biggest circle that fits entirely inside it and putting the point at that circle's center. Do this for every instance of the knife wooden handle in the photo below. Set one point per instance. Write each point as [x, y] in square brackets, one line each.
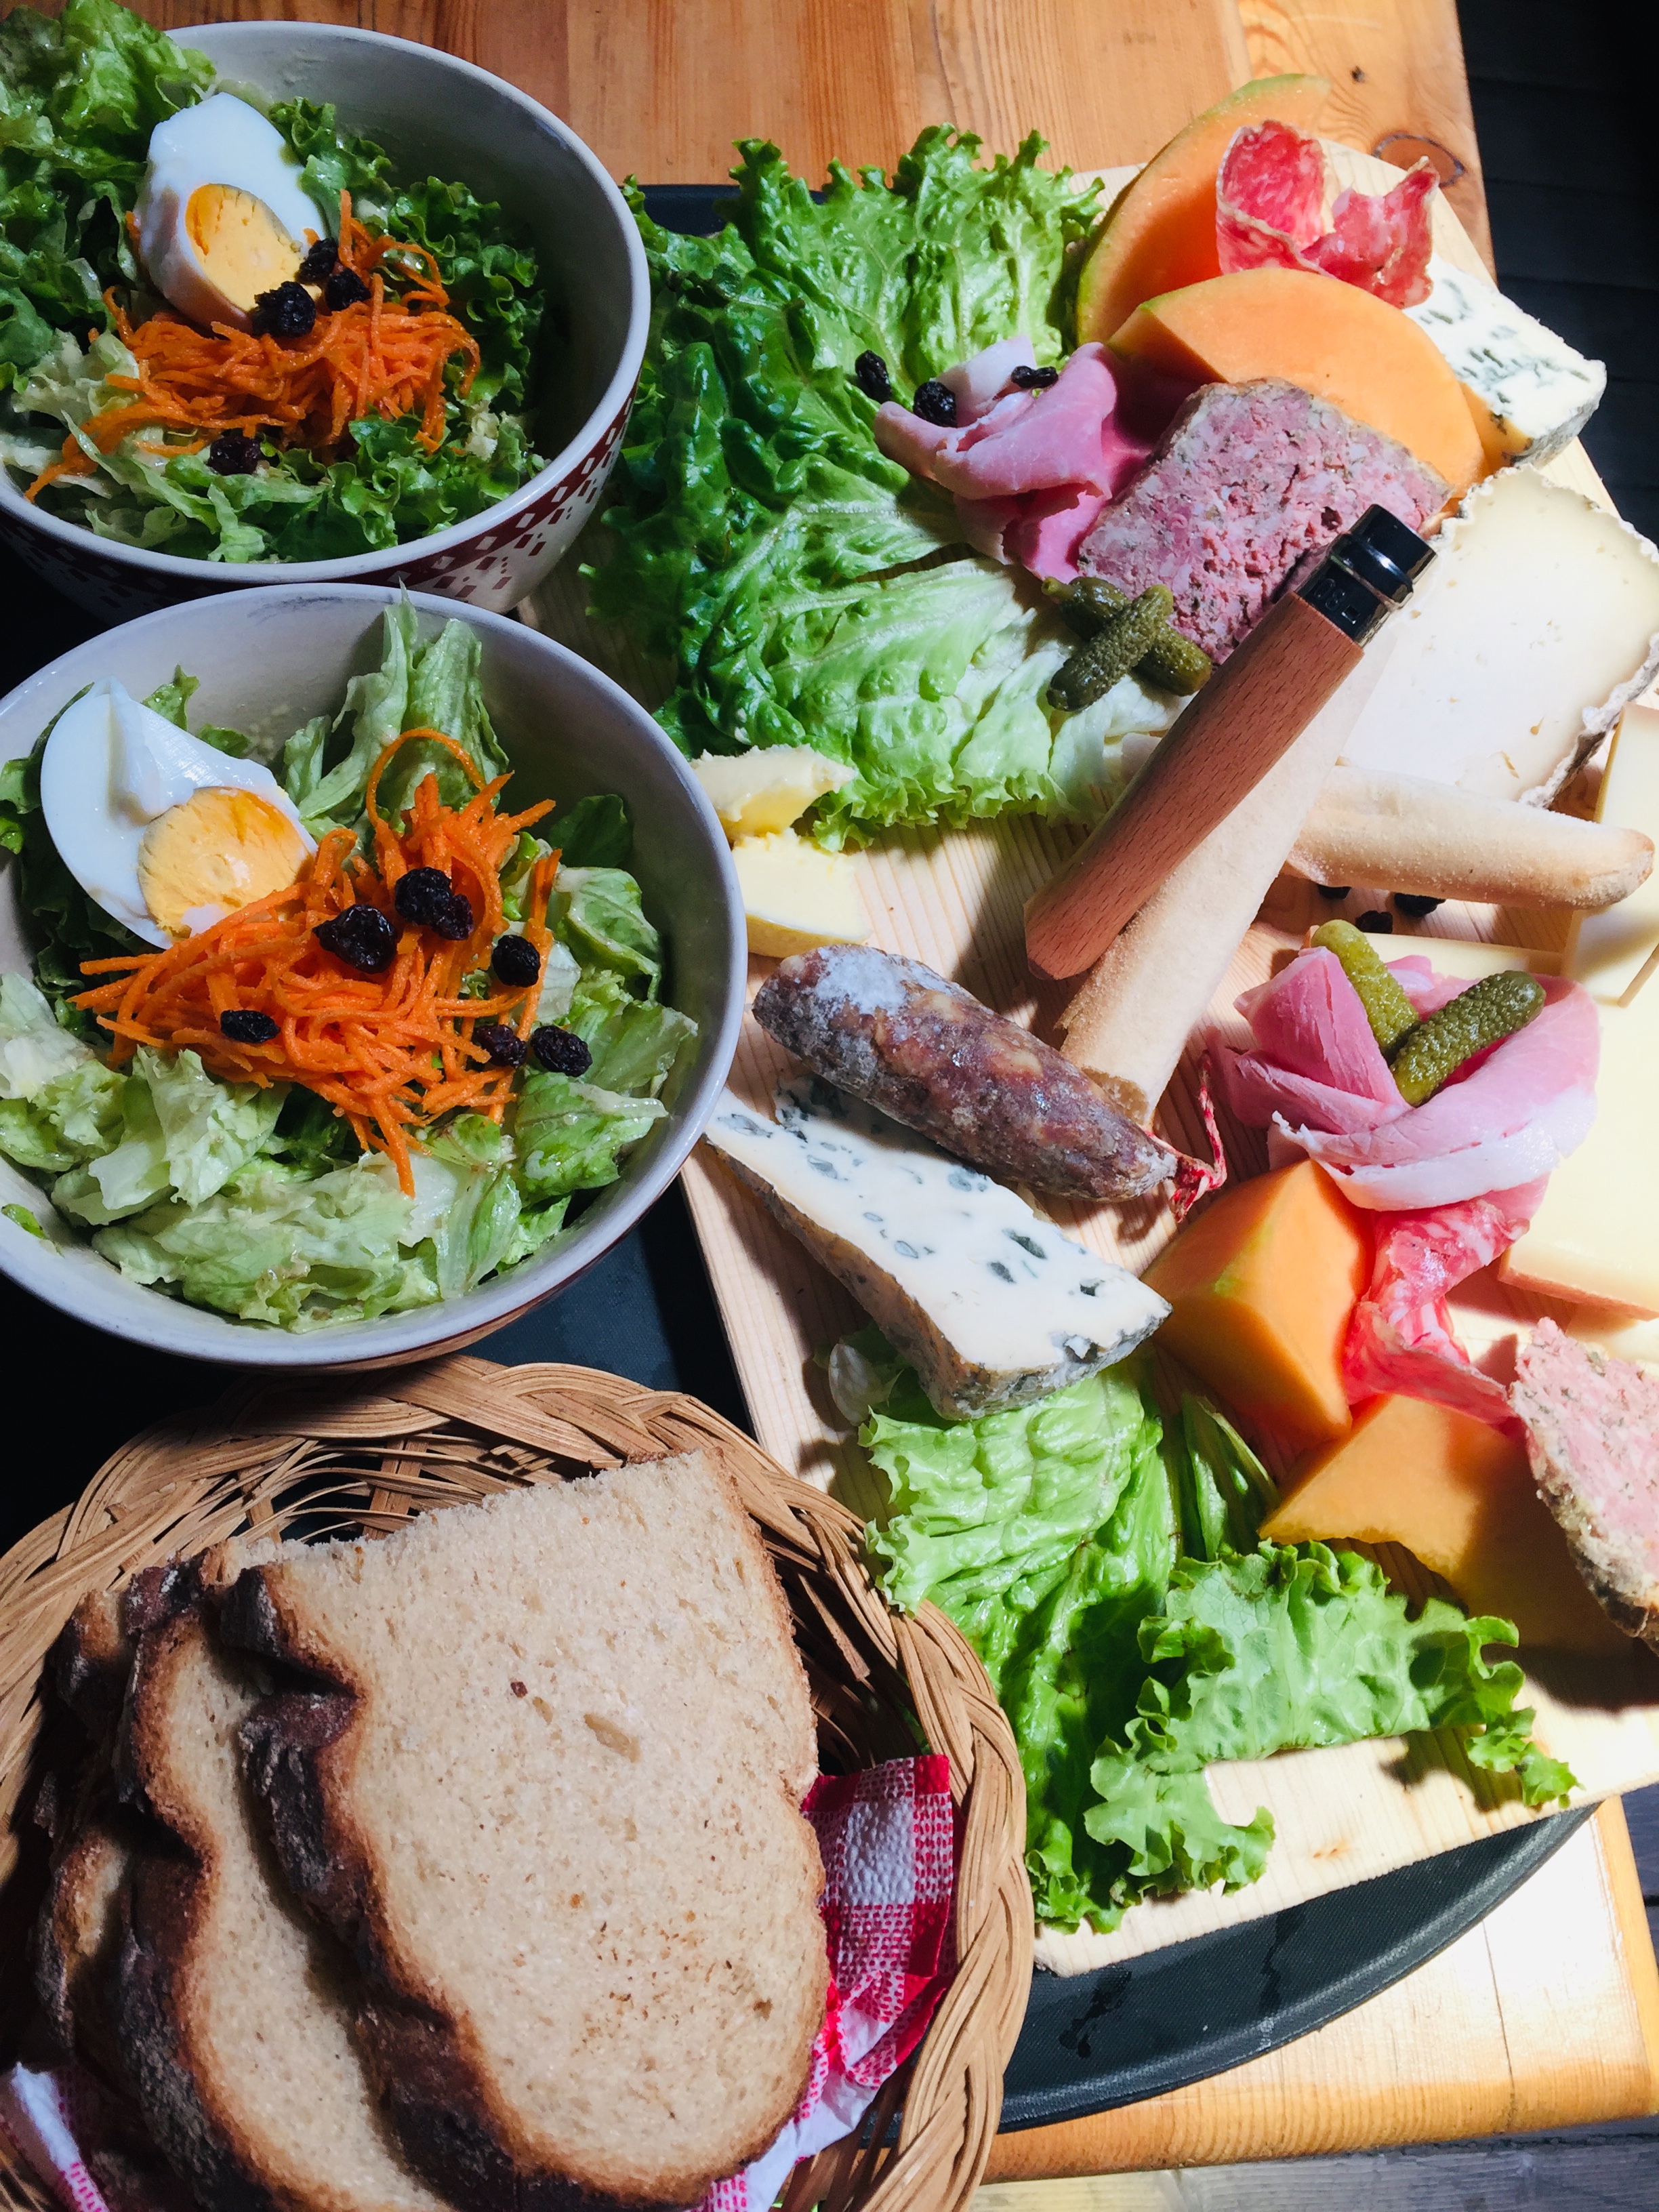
[1248, 714]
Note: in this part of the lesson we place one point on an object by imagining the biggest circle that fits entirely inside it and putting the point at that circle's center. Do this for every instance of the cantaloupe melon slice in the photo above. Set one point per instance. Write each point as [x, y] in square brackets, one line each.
[1260, 1286]
[1159, 232]
[1461, 1496]
[1367, 358]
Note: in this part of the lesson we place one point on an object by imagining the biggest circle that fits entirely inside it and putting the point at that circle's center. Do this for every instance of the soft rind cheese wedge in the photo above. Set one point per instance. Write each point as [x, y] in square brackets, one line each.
[1538, 620]
[795, 897]
[991, 1305]
[1537, 392]
[768, 787]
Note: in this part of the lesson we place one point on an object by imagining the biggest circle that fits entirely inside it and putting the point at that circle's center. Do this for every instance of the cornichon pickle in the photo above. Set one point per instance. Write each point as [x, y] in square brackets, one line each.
[1112, 652]
[1495, 1007]
[1174, 663]
[1171, 661]
[1390, 1011]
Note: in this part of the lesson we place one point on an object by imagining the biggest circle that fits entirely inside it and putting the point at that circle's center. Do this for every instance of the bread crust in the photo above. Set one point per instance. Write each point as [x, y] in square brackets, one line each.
[300, 1749]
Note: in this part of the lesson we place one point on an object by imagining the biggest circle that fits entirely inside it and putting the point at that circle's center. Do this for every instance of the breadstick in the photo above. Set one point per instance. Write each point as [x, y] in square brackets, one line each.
[1406, 833]
[1128, 1023]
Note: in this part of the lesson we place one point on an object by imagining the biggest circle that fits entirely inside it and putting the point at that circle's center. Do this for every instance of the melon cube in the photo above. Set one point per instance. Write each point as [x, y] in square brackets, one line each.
[1260, 1286]
[1459, 1496]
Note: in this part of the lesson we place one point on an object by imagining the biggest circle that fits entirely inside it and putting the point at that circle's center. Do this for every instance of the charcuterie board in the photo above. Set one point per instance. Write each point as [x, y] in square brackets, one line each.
[954, 899]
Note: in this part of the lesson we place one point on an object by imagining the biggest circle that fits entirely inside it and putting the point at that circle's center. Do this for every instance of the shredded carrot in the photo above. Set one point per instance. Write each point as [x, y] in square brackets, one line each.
[384, 356]
[390, 1053]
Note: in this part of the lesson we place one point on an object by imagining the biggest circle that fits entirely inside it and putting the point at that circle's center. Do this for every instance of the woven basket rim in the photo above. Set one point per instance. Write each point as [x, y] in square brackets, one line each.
[365, 1451]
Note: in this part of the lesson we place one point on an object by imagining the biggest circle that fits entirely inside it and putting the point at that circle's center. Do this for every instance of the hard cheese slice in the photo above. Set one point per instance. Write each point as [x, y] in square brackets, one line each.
[1610, 953]
[990, 1304]
[1536, 622]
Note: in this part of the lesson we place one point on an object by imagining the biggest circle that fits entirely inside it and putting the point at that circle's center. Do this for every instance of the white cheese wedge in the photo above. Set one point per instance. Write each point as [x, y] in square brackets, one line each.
[1537, 392]
[794, 897]
[768, 787]
[1615, 954]
[991, 1305]
[1538, 621]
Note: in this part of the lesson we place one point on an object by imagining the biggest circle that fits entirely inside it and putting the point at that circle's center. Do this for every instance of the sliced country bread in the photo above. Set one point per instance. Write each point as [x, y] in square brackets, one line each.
[548, 1793]
[232, 2004]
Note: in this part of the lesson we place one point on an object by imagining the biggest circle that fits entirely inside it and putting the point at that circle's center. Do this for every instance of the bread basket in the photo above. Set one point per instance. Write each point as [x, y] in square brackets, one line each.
[366, 1453]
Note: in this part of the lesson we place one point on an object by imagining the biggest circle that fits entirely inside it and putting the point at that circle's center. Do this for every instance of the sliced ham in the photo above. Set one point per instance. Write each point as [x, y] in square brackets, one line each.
[1317, 1079]
[1269, 204]
[1524, 1106]
[1030, 472]
[1400, 1336]
[1061, 437]
[978, 383]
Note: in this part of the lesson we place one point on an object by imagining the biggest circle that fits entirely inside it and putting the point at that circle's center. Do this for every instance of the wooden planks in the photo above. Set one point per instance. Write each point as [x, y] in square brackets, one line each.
[1488, 2037]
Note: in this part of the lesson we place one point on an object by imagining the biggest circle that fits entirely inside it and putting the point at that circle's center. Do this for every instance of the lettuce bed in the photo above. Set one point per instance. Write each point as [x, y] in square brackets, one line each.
[79, 97]
[258, 1202]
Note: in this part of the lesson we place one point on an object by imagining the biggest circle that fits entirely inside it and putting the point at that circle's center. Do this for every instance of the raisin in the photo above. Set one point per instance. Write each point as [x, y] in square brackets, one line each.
[246, 1025]
[506, 1048]
[289, 312]
[343, 289]
[1375, 923]
[870, 374]
[234, 453]
[423, 896]
[319, 263]
[1415, 904]
[1035, 380]
[561, 1052]
[362, 937]
[936, 403]
[1334, 892]
[455, 922]
[516, 961]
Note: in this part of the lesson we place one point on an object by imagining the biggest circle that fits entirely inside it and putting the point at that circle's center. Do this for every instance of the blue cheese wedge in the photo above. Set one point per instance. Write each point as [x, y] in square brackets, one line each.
[1539, 393]
[991, 1305]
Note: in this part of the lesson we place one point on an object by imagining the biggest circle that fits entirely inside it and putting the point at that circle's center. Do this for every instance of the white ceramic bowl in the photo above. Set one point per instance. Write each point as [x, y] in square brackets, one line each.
[436, 116]
[268, 661]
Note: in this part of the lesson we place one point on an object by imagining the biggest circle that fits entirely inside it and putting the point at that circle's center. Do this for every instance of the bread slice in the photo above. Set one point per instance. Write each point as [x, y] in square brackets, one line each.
[548, 1793]
[234, 2007]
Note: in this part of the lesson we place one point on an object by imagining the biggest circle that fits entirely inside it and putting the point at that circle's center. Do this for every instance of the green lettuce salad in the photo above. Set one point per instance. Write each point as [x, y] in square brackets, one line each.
[259, 1202]
[799, 587]
[1105, 1565]
[80, 94]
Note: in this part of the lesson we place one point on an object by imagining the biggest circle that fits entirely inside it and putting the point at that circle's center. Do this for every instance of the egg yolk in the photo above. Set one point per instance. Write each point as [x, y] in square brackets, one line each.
[220, 848]
[242, 248]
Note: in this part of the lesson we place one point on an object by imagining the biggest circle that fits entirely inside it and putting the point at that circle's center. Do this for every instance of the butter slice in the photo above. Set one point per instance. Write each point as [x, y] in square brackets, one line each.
[991, 1305]
[1609, 952]
[768, 787]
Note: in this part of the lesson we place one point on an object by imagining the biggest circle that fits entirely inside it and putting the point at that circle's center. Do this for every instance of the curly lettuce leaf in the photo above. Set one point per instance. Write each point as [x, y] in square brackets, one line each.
[1052, 1535]
[80, 94]
[279, 1246]
[569, 1134]
[761, 545]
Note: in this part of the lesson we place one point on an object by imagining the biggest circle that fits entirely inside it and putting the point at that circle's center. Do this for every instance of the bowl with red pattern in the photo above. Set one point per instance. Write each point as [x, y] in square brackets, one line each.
[440, 117]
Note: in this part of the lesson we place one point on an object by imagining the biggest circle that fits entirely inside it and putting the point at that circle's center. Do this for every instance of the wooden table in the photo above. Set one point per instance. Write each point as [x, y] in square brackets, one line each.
[1548, 2013]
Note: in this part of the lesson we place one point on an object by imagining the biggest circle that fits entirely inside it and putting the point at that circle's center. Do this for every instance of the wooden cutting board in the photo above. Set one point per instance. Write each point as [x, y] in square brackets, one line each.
[954, 898]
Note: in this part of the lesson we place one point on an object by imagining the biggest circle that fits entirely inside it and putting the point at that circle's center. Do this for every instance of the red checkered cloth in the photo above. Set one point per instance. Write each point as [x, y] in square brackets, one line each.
[889, 1840]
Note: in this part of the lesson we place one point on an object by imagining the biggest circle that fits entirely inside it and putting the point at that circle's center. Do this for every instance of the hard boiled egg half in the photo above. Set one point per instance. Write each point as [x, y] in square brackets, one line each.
[222, 215]
[165, 833]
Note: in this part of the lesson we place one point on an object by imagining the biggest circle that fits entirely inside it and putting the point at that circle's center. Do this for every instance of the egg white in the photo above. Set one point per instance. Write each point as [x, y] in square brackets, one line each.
[113, 766]
[221, 140]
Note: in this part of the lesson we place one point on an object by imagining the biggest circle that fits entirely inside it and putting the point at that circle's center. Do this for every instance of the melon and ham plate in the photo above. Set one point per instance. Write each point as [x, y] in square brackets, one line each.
[1453, 1182]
